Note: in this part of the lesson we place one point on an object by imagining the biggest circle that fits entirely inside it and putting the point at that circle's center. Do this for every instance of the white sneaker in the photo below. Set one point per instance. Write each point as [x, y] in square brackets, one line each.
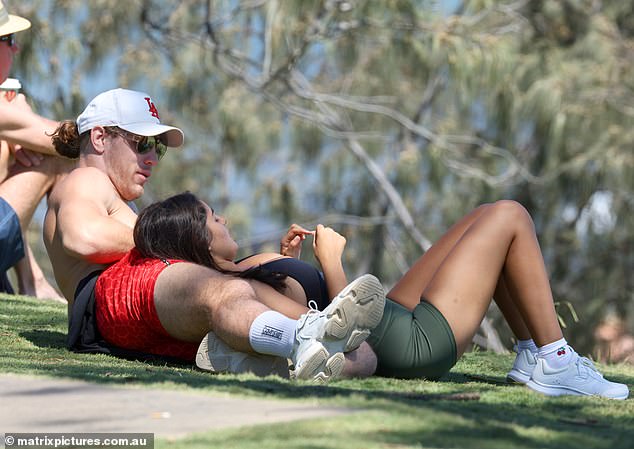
[322, 337]
[313, 362]
[215, 356]
[580, 377]
[523, 367]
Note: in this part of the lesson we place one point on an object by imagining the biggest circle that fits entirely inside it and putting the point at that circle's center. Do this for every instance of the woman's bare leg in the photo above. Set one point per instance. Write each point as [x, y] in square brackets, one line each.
[277, 301]
[509, 310]
[500, 242]
[410, 288]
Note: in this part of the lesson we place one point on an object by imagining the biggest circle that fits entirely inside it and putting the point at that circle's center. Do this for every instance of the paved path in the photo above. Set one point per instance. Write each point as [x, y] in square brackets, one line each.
[41, 405]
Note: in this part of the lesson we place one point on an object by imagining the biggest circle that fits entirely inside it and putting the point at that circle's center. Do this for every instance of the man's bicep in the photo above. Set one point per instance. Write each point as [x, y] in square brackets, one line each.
[76, 223]
[93, 236]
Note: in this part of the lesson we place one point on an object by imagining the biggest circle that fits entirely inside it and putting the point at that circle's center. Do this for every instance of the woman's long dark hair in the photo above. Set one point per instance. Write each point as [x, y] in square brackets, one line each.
[176, 228]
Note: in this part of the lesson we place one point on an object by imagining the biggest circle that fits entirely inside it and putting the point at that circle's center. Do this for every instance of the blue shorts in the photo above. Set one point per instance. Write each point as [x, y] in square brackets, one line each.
[11, 245]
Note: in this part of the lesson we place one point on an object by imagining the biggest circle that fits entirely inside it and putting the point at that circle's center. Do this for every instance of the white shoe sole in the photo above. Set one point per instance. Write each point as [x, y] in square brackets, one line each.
[318, 365]
[202, 356]
[517, 377]
[215, 356]
[357, 310]
[553, 390]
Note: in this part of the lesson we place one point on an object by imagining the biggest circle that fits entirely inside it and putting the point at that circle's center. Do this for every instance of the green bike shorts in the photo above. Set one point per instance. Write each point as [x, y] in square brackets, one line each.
[413, 344]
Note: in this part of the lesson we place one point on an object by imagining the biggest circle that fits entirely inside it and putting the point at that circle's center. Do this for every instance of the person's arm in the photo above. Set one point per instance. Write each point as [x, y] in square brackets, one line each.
[93, 222]
[290, 246]
[19, 125]
[328, 246]
[291, 243]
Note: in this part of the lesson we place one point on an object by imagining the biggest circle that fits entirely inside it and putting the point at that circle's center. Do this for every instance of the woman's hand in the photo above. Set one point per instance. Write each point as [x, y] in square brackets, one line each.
[328, 245]
[291, 244]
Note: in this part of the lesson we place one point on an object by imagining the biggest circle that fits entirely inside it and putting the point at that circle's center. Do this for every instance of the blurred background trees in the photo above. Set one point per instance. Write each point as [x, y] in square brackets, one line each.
[386, 120]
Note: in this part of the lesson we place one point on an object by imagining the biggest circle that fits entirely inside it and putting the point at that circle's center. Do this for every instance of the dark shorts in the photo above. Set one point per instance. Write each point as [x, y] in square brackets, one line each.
[413, 344]
[83, 335]
[11, 245]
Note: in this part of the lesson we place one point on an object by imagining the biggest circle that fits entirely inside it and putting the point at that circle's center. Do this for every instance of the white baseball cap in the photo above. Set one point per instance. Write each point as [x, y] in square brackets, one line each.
[10, 24]
[130, 110]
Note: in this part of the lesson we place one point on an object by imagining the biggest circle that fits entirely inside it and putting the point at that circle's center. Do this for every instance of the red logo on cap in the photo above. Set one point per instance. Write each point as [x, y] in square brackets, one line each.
[153, 109]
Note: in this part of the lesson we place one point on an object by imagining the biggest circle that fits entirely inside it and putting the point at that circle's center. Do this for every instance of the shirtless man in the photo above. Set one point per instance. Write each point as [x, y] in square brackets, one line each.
[166, 307]
[25, 175]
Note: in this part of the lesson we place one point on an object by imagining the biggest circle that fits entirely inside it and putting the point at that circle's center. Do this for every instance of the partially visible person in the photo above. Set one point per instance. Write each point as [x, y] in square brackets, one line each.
[119, 299]
[29, 167]
[432, 313]
[615, 342]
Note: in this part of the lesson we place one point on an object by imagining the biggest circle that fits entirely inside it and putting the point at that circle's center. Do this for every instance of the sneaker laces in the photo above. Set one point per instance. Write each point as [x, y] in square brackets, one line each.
[585, 366]
[312, 310]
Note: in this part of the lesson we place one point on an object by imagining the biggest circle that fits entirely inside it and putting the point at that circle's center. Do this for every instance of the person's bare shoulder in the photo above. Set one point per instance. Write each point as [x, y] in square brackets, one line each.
[83, 183]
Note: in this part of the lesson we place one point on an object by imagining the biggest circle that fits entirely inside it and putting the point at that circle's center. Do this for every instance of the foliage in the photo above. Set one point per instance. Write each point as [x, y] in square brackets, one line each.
[388, 120]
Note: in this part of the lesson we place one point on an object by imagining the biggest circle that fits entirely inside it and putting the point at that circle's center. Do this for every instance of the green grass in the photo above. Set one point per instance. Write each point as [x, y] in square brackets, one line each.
[472, 407]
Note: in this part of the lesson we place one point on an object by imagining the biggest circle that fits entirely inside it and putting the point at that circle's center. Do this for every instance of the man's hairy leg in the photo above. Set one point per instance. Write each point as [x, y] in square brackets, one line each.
[192, 300]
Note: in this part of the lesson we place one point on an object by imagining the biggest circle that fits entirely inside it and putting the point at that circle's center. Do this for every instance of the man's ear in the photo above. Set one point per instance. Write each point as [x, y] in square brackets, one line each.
[98, 137]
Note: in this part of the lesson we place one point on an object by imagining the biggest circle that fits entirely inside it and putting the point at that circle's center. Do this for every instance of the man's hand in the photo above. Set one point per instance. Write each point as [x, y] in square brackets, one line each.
[291, 244]
[26, 157]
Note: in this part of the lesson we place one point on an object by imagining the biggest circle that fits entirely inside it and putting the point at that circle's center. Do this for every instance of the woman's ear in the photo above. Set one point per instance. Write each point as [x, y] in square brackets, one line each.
[98, 139]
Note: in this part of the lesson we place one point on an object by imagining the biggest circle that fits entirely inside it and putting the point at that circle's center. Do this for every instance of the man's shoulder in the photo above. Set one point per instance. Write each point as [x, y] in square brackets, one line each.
[83, 182]
[89, 176]
[87, 171]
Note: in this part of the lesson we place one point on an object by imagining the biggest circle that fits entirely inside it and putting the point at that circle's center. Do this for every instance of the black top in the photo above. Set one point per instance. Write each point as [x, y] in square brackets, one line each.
[310, 278]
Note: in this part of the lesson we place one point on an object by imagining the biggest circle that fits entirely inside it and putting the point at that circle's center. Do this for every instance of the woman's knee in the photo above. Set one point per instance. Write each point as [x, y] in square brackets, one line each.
[511, 213]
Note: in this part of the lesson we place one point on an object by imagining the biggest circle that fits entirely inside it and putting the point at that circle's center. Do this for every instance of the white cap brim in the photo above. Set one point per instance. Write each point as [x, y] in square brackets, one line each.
[14, 25]
[174, 136]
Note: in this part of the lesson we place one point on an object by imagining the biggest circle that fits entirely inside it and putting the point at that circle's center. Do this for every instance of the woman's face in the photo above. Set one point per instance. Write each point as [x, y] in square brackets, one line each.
[223, 247]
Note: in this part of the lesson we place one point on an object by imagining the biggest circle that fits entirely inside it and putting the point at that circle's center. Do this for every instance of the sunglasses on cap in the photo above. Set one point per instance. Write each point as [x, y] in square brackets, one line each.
[9, 38]
[144, 144]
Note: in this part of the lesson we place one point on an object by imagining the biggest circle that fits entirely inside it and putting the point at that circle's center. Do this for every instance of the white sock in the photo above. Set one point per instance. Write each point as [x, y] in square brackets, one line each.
[556, 354]
[527, 344]
[273, 333]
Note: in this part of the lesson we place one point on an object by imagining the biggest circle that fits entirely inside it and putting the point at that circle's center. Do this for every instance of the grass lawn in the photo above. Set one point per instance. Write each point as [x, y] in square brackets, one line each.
[472, 407]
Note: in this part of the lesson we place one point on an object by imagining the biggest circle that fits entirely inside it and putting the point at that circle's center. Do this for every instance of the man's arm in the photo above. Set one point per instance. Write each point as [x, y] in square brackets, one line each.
[93, 222]
[20, 125]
